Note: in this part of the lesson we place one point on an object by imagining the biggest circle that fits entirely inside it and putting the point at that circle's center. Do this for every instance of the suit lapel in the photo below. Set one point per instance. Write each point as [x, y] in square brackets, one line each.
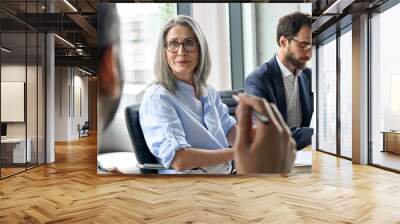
[279, 87]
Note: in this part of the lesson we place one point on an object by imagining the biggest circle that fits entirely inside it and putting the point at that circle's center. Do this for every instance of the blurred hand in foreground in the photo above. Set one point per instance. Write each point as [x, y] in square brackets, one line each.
[265, 148]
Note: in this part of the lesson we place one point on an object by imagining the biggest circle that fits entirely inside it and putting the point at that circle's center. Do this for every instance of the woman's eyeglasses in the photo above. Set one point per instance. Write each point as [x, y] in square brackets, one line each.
[189, 45]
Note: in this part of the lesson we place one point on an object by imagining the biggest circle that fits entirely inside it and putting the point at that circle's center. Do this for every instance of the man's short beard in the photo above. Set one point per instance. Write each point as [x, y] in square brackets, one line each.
[294, 61]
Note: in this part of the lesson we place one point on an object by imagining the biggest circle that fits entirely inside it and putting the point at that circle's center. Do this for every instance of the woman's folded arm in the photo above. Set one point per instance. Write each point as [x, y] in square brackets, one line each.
[188, 158]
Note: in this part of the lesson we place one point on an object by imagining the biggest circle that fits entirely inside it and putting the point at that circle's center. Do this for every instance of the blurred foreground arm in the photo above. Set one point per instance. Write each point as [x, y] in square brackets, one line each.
[267, 148]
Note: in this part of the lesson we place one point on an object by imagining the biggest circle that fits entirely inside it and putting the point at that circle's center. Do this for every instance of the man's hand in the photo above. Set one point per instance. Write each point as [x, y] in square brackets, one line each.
[267, 148]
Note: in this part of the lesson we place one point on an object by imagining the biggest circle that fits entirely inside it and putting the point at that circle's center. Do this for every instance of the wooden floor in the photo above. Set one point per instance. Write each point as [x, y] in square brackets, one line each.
[10, 171]
[70, 191]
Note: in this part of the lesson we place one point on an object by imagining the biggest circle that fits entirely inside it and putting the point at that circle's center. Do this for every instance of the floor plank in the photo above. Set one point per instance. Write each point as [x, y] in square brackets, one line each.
[70, 191]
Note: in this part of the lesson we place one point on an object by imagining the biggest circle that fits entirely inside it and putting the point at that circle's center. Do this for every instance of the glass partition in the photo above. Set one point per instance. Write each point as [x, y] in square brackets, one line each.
[327, 96]
[41, 109]
[31, 99]
[346, 94]
[22, 90]
[13, 92]
[385, 89]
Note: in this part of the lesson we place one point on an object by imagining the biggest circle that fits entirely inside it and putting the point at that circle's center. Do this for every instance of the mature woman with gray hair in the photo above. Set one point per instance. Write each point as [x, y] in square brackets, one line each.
[185, 124]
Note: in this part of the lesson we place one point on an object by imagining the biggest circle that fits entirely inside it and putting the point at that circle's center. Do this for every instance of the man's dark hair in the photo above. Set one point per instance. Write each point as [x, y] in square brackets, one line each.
[289, 25]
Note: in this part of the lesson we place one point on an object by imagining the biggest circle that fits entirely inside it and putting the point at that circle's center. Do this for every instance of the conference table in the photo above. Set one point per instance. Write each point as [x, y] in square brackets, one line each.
[391, 141]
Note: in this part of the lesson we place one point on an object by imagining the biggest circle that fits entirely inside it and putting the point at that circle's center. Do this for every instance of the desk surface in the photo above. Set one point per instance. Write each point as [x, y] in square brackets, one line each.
[390, 132]
[126, 162]
[13, 140]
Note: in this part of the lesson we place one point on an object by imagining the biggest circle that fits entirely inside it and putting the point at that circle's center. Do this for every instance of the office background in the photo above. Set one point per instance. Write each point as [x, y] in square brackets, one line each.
[56, 96]
[338, 190]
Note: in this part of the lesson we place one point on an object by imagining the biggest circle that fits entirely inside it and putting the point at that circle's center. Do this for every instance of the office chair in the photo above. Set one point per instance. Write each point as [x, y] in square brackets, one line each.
[84, 130]
[226, 98]
[147, 162]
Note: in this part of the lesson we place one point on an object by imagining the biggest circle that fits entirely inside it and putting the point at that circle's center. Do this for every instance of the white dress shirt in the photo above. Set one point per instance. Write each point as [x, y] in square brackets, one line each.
[290, 80]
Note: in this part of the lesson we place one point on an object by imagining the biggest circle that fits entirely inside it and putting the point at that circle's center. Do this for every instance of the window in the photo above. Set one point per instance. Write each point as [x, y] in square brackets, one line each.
[259, 30]
[346, 94]
[385, 84]
[217, 36]
[140, 27]
[140, 24]
[327, 96]
[314, 73]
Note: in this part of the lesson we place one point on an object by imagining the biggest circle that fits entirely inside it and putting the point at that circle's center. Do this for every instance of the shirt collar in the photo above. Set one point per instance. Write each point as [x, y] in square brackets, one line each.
[187, 89]
[184, 87]
[285, 72]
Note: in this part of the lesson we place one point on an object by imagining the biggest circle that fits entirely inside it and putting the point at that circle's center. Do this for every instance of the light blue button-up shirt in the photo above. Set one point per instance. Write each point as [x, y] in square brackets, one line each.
[171, 122]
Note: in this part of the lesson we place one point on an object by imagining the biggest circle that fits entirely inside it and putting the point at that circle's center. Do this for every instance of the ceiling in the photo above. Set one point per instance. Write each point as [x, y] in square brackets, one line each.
[72, 20]
[330, 15]
[75, 22]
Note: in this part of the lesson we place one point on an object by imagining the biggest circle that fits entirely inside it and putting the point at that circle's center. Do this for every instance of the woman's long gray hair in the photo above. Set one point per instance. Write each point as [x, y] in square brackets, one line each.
[162, 70]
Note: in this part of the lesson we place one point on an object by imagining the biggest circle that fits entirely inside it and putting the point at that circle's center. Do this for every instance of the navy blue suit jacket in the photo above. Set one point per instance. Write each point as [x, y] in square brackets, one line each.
[267, 81]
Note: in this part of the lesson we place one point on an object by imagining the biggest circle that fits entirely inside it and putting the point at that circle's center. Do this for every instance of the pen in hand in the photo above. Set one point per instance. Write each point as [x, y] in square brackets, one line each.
[262, 118]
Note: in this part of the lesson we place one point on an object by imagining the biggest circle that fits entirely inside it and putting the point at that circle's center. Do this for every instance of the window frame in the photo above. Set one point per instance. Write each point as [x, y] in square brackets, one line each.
[379, 10]
[333, 33]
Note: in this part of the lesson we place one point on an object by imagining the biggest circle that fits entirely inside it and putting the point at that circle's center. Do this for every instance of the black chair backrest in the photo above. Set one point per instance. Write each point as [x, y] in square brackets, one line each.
[142, 152]
[226, 98]
[86, 125]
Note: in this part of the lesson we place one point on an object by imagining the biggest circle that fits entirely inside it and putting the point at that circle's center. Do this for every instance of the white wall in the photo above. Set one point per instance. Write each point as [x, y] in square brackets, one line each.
[80, 101]
[218, 41]
[15, 73]
[12, 101]
[33, 125]
[61, 103]
[71, 93]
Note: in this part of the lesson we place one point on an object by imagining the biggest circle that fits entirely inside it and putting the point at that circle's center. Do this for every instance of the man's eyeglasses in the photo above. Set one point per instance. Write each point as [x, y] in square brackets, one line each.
[189, 45]
[303, 45]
